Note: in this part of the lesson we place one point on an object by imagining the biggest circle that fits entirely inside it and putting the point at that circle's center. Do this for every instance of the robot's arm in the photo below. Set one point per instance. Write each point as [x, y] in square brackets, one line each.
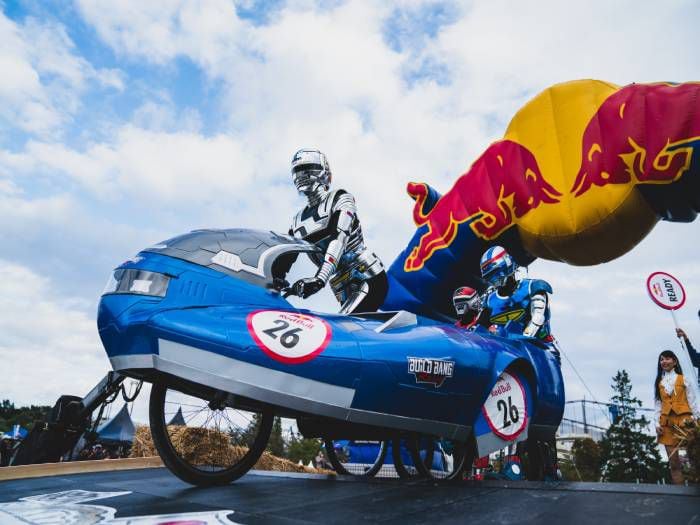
[538, 310]
[345, 209]
[345, 212]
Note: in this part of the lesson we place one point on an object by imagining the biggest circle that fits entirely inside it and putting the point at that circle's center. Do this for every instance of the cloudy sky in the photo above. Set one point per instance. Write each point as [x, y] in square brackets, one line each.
[125, 123]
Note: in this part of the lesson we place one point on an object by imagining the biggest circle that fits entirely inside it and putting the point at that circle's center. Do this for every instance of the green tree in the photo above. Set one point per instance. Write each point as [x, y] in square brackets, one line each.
[627, 452]
[587, 459]
[246, 437]
[275, 444]
[25, 416]
[303, 449]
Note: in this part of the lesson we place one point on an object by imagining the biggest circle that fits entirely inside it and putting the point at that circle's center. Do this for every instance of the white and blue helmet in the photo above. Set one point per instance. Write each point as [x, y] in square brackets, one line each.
[310, 171]
[497, 266]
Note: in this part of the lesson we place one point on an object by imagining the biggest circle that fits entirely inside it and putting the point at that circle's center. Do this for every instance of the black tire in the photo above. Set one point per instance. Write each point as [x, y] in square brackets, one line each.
[211, 474]
[541, 460]
[422, 452]
[410, 444]
[338, 466]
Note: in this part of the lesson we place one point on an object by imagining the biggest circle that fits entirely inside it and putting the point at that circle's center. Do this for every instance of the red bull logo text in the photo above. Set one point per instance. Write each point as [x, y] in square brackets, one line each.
[645, 134]
[504, 184]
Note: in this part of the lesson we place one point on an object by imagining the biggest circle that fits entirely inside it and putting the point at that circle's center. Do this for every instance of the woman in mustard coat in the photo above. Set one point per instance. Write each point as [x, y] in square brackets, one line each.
[675, 404]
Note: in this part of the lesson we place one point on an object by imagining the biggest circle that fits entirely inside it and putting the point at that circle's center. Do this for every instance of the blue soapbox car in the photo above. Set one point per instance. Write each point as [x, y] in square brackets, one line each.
[203, 318]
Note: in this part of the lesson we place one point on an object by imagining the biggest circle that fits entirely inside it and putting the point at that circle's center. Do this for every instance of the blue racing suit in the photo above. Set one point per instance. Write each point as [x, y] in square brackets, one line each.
[517, 307]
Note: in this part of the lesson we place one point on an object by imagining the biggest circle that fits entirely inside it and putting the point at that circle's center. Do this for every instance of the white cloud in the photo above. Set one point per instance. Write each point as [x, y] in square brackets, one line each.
[49, 344]
[43, 77]
[151, 166]
[160, 30]
[506, 50]
[326, 78]
[608, 321]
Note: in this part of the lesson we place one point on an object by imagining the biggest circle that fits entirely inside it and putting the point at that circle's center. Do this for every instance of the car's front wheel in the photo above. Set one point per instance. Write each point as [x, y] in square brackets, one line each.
[202, 440]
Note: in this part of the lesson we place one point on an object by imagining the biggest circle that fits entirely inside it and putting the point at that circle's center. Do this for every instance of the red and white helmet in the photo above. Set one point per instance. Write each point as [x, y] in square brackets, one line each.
[466, 298]
[497, 266]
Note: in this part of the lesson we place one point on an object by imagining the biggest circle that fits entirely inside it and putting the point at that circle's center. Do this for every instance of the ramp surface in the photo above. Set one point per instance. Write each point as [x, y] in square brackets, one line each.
[154, 496]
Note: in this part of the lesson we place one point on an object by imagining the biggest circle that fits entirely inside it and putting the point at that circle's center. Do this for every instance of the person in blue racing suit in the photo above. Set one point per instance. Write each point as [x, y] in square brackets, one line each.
[525, 301]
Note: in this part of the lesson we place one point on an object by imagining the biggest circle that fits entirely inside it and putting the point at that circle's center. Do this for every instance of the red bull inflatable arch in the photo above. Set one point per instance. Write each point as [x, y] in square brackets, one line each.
[583, 173]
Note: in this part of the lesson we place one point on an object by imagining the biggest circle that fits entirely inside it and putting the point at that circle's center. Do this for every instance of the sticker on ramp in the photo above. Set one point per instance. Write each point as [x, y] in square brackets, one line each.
[289, 337]
[505, 410]
[76, 506]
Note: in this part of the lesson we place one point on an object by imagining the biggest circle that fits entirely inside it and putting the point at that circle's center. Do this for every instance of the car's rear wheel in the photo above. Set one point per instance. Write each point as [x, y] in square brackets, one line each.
[217, 444]
[405, 456]
[540, 459]
[339, 456]
[433, 458]
[444, 459]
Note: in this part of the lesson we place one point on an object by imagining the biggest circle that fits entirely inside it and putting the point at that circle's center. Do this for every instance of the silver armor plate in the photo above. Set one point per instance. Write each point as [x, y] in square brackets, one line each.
[355, 264]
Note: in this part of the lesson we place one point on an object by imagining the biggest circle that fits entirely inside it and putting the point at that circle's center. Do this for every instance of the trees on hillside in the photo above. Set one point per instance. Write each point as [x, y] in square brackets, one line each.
[25, 416]
[585, 461]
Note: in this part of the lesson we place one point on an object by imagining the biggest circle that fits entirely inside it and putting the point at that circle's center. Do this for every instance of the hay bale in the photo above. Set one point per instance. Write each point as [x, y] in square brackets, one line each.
[202, 446]
[143, 447]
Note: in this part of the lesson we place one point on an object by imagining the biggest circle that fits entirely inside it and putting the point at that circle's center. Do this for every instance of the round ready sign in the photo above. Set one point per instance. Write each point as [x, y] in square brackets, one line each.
[289, 337]
[505, 410]
[665, 290]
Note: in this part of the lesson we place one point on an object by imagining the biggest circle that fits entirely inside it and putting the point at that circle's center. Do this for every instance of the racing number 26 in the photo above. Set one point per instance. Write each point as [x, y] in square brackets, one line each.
[290, 338]
[508, 409]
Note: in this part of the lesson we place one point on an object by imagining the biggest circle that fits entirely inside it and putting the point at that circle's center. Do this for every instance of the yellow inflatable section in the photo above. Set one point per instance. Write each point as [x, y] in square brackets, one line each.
[598, 144]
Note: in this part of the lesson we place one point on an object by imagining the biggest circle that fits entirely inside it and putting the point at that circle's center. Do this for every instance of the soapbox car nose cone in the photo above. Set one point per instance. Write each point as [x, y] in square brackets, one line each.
[127, 288]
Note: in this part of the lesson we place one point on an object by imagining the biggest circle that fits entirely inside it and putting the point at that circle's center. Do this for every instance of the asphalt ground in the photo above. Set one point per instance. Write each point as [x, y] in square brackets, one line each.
[156, 496]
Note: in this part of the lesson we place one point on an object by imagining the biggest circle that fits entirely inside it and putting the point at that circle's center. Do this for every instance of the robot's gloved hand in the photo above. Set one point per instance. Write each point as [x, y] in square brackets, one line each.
[280, 284]
[307, 287]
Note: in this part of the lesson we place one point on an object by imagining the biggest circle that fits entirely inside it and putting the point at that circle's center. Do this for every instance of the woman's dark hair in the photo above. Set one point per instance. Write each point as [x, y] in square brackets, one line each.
[659, 370]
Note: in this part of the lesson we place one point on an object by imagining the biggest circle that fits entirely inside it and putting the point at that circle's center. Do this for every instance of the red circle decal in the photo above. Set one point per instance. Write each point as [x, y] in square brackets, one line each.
[288, 337]
[505, 409]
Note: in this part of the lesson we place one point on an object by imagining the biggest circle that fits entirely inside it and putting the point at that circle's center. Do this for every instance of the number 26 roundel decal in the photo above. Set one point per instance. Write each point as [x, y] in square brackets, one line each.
[506, 410]
[288, 337]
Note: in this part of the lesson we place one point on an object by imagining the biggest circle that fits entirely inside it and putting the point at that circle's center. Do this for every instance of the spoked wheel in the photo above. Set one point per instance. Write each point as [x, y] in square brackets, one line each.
[370, 460]
[404, 452]
[448, 464]
[443, 458]
[541, 460]
[217, 443]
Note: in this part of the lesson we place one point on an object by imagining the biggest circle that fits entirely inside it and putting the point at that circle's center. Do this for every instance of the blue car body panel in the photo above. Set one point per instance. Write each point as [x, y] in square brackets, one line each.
[199, 331]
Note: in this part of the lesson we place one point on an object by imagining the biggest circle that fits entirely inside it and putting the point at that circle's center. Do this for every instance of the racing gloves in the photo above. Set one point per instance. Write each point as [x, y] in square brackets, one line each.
[306, 287]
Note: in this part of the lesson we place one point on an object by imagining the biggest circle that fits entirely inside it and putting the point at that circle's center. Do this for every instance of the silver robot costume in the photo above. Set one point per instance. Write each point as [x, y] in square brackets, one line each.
[330, 221]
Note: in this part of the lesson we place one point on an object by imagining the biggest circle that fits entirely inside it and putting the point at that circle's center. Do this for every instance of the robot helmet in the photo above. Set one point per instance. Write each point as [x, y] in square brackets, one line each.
[497, 266]
[311, 172]
[466, 298]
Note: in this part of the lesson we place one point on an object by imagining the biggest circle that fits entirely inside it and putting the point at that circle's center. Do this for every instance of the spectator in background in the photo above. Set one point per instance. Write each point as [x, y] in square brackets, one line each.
[98, 452]
[6, 447]
[320, 461]
[694, 354]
